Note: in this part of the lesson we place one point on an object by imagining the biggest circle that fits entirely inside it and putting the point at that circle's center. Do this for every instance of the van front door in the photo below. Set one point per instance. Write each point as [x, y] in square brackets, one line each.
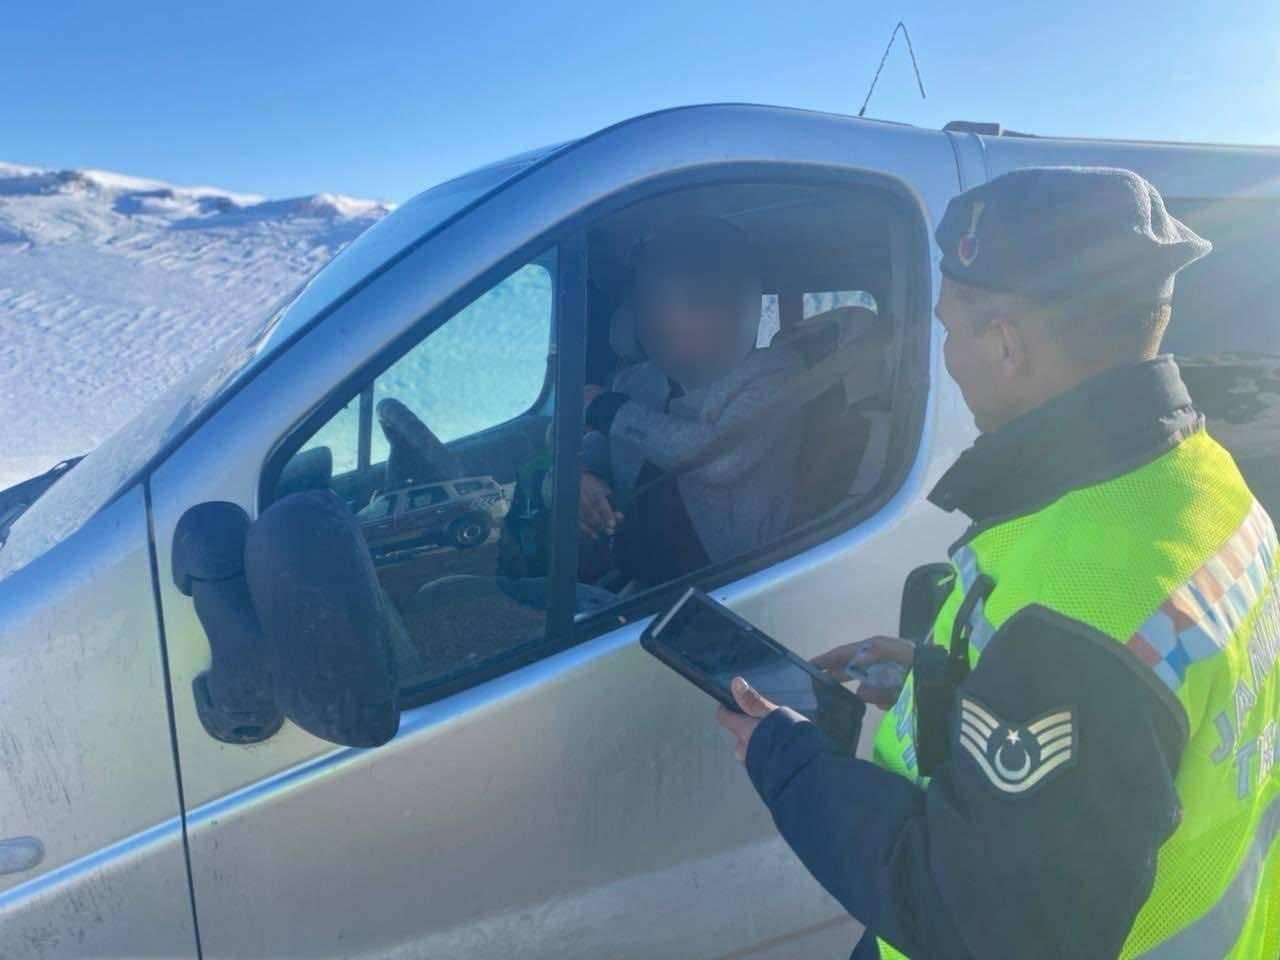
[553, 791]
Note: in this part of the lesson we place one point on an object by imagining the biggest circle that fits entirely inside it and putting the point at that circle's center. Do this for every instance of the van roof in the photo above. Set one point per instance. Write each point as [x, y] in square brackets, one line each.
[985, 128]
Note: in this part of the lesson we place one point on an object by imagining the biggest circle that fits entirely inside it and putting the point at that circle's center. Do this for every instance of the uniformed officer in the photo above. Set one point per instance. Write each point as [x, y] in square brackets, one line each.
[1083, 760]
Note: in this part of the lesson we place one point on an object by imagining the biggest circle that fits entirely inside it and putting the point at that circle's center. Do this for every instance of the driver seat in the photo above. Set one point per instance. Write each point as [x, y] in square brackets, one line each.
[837, 434]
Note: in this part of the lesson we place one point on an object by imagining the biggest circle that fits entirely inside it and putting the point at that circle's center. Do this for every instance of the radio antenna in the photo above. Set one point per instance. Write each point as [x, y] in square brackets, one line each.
[914, 66]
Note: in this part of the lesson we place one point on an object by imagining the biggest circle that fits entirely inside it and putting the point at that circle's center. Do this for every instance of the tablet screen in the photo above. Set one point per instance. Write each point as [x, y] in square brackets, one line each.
[723, 649]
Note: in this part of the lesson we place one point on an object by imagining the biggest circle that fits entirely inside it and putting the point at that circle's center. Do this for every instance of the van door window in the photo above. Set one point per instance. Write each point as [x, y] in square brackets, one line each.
[770, 320]
[456, 429]
[702, 450]
[427, 497]
[821, 302]
[337, 438]
[486, 366]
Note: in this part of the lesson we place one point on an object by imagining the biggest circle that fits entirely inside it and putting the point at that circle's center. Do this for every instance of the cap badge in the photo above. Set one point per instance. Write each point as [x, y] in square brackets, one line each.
[967, 248]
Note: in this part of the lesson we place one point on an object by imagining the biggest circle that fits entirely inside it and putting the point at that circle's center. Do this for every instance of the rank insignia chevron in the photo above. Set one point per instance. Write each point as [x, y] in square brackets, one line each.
[1016, 758]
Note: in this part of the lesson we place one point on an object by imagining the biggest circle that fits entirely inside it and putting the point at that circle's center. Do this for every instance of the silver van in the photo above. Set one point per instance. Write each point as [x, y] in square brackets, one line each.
[549, 790]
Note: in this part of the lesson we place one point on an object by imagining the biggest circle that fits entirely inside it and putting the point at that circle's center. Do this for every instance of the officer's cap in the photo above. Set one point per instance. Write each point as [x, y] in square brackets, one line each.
[1096, 233]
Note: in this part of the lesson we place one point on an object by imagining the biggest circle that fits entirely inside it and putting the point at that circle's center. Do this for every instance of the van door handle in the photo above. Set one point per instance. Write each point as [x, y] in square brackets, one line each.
[19, 854]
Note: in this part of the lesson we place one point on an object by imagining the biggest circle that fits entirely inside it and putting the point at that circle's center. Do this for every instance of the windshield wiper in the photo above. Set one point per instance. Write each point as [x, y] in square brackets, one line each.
[15, 500]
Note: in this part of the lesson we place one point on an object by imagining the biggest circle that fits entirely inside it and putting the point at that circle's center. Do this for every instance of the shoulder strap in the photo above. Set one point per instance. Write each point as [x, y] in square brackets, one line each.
[861, 362]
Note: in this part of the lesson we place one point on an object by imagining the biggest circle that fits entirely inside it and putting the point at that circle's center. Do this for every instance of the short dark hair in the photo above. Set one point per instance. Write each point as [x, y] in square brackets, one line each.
[1089, 332]
[696, 246]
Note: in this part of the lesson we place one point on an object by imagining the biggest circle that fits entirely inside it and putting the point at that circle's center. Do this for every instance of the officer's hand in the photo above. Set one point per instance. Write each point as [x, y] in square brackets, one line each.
[754, 709]
[596, 515]
[864, 654]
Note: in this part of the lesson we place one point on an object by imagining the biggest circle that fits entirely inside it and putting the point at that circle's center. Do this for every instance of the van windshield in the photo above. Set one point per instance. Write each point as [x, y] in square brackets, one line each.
[104, 472]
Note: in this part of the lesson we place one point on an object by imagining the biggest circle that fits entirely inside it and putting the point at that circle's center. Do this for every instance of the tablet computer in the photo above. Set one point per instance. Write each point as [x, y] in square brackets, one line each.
[708, 644]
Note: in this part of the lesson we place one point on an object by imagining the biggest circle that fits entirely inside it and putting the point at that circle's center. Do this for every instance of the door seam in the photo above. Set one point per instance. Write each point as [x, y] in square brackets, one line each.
[173, 726]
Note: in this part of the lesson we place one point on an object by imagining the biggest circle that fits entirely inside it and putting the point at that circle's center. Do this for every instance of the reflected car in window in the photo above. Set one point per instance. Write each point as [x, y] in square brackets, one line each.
[454, 513]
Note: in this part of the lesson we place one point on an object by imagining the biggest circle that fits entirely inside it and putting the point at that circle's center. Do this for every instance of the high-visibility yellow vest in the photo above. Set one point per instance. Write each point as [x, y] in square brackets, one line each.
[1176, 561]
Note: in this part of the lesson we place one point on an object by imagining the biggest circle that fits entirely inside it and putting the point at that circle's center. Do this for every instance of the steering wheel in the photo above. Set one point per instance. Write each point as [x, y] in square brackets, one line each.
[417, 455]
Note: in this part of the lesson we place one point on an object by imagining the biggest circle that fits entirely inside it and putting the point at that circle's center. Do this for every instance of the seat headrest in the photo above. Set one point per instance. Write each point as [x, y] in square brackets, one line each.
[854, 331]
[851, 323]
[824, 333]
[306, 470]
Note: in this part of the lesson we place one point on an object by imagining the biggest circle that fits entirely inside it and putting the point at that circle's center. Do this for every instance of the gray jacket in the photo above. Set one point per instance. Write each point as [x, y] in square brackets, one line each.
[737, 498]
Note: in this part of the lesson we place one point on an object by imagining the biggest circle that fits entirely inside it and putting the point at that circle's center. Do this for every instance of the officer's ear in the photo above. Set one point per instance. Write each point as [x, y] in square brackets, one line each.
[1014, 335]
[1013, 347]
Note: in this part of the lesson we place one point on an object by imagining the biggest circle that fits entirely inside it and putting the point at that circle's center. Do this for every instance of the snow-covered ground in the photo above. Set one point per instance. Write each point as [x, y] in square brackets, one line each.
[112, 287]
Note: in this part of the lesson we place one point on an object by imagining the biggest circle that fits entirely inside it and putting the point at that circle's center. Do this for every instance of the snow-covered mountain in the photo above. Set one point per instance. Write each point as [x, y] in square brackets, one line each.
[111, 287]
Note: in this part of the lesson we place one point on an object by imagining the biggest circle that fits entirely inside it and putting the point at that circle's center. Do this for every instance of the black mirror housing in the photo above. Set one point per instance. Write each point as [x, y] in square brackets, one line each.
[234, 697]
[327, 622]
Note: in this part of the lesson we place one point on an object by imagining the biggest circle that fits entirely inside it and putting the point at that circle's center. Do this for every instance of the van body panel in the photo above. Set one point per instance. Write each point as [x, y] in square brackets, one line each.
[86, 761]
[1177, 169]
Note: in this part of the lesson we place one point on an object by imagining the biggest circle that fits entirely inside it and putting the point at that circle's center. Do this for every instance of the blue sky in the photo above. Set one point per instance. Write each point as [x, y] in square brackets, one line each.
[383, 99]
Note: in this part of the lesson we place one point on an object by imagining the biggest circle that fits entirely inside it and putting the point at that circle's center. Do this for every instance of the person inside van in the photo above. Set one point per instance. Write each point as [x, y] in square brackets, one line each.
[670, 477]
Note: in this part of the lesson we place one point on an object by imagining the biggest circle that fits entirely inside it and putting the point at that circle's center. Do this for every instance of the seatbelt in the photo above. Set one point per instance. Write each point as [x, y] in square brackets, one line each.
[865, 366]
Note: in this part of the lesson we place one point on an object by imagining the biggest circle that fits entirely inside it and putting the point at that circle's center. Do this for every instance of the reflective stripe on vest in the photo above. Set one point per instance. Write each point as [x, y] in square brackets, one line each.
[1177, 562]
[1199, 618]
[981, 630]
[1214, 933]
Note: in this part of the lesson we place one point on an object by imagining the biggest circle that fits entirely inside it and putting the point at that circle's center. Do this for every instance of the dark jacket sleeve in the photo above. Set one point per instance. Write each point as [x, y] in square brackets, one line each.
[1004, 854]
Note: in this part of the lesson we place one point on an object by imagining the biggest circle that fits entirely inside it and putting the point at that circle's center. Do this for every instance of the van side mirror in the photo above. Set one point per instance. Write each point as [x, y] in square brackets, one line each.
[233, 697]
[327, 623]
[297, 623]
[925, 591]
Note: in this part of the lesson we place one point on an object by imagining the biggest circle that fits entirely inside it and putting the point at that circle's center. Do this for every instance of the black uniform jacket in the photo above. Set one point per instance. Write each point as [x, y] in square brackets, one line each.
[961, 868]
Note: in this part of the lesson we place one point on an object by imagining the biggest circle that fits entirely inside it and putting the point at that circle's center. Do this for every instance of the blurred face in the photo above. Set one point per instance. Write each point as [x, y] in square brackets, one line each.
[690, 326]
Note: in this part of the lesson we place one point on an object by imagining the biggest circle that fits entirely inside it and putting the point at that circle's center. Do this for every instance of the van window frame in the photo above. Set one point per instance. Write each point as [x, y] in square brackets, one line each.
[910, 390]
